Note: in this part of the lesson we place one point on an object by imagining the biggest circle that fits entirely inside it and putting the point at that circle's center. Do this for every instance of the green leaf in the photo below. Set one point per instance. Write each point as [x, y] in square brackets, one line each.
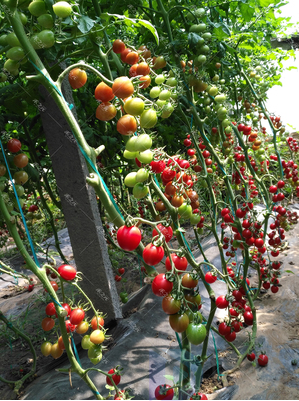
[138, 22]
[220, 33]
[265, 3]
[289, 271]
[168, 377]
[193, 39]
[85, 24]
[246, 11]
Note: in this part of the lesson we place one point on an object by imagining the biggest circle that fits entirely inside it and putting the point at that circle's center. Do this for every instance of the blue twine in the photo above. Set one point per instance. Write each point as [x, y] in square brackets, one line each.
[75, 349]
[20, 208]
[95, 392]
[55, 302]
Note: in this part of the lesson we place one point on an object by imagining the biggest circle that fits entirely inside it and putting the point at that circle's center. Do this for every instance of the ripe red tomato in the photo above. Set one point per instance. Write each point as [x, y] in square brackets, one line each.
[48, 323]
[76, 316]
[170, 305]
[222, 302]
[118, 46]
[128, 238]
[103, 92]
[105, 111]
[248, 318]
[180, 263]
[126, 125]
[230, 337]
[161, 286]
[251, 357]
[210, 277]
[166, 231]
[117, 278]
[223, 329]
[50, 309]
[94, 320]
[262, 360]
[121, 270]
[54, 286]
[152, 255]
[199, 396]
[162, 392]
[69, 326]
[122, 87]
[124, 53]
[67, 272]
[116, 378]
[77, 78]
[14, 145]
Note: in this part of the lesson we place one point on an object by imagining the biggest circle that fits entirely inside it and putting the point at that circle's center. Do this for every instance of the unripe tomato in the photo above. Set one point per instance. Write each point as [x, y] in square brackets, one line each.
[37, 8]
[148, 118]
[56, 351]
[126, 125]
[159, 62]
[46, 348]
[20, 160]
[20, 177]
[46, 21]
[94, 322]
[48, 323]
[62, 9]
[15, 53]
[134, 106]
[97, 336]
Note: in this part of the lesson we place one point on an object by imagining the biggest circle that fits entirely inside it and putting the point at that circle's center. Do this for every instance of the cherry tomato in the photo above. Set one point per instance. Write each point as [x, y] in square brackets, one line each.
[116, 378]
[67, 272]
[161, 286]
[152, 255]
[128, 238]
[103, 92]
[94, 321]
[196, 333]
[20, 177]
[106, 111]
[118, 46]
[61, 343]
[166, 231]
[46, 348]
[97, 336]
[122, 87]
[251, 357]
[180, 263]
[222, 302]
[50, 309]
[48, 323]
[69, 326]
[171, 305]
[126, 125]
[223, 329]
[198, 396]
[77, 78]
[162, 392]
[132, 58]
[262, 360]
[188, 281]
[56, 351]
[20, 160]
[76, 316]
[179, 322]
[82, 327]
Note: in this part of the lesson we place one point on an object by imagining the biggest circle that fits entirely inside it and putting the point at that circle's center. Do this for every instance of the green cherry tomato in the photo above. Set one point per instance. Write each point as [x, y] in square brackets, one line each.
[196, 333]
[198, 28]
[159, 79]
[15, 53]
[220, 98]
[155, 92]
[201, 59]
[85, 342]
[12, 40]
[12, 66]
[207, 36]
[3, 77]
[134, 106]
[130, 179]
[195, 219]
[148, 118]
[37, 8]
[130, 155]
[142, 175]
[146, 156]
[167, 110]
[46, 21]
[213, 91]
[130, 145]
[140, 190]
[62, 9]
[165, 94]
[3, 40]
[171, 81]
[46, 348]
[143, 142]
[23, 18]
[160, 103]
[47, 38]
[185, 211]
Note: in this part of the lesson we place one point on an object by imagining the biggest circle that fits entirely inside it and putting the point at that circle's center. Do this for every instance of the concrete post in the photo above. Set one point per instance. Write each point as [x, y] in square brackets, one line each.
[80, 209]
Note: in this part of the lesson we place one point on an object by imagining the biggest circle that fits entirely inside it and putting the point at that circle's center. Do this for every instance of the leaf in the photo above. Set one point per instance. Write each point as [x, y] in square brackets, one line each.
[265, 3]
[138, 22]
[289, 271]
[193, 39]
[85, 24]
[246, 11]
[168, 377]
[49, 6]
